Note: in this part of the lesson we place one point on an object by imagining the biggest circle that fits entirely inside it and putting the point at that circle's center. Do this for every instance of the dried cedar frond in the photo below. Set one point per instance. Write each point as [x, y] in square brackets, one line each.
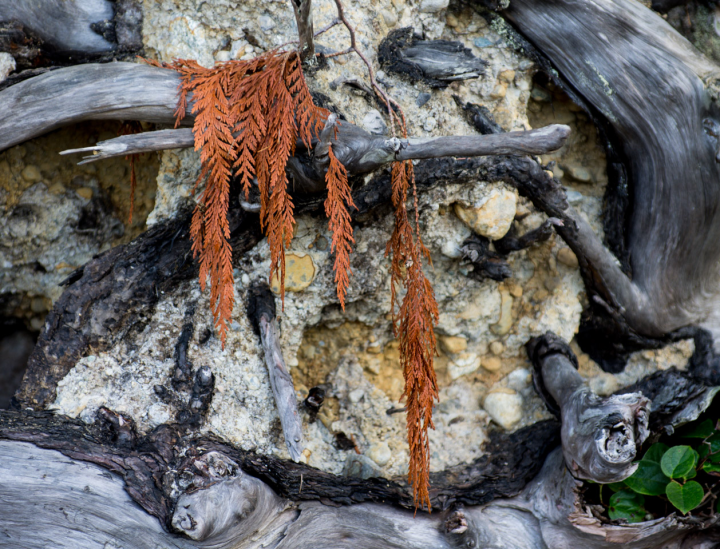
[248, 118]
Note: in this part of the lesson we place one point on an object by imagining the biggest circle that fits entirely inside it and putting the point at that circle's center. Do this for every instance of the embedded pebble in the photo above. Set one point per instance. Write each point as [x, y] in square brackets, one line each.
[7, 65]
[31, 174]
[492, 363]
[299, 273]
[567, 257]
[433, 6]
[492, 216]
[504, 406]
[380, 453]
[374, 123]
[463, 364]
[453, 344]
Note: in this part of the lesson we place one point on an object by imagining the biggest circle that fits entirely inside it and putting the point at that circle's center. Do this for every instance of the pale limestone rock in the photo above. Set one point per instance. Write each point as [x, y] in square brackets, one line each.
[433, 6]
[463, 364]
[492, 216]
[390, 17]
[504, 406]
[243, 410]
[496, 347]
[380, 453]
[7, 65]
[453, 344]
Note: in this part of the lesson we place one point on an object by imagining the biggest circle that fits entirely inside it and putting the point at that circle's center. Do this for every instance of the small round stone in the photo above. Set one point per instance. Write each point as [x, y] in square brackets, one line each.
[492, 364]
[497, 348]
[380, 453]
[504, 406]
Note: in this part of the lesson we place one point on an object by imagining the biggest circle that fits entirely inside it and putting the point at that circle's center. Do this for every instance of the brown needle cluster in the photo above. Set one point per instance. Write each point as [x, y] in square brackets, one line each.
[249, 115]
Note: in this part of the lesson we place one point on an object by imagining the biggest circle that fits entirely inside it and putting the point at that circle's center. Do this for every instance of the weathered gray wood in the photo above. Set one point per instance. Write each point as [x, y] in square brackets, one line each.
[65, 24]
[50, 500]
[520, 143]
[654, 90]
[282, 386]
[112, 91]
[304, 20]
[436, 62]
[137, 143]
[600, 436]
[358, 150]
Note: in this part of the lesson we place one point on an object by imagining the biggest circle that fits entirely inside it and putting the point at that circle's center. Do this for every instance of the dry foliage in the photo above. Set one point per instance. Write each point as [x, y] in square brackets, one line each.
[336, 209]
[413, 324]
[249, 116]
[127, 128]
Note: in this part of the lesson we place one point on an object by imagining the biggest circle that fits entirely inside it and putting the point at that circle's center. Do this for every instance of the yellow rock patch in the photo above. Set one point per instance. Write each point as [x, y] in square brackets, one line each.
[299, 273]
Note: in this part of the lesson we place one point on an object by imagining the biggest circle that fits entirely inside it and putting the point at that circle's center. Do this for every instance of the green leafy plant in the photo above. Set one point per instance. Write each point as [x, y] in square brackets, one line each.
[681, 476]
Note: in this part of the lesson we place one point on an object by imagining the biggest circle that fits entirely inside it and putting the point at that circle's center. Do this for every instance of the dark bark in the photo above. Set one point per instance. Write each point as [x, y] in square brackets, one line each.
[435, 62]
[145, 462]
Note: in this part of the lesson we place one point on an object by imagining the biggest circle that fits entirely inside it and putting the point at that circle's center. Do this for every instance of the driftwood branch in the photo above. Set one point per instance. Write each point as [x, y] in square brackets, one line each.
[65, 24]
[113, 91]
[137, 143]
[117, 483]
[360, 151]
[261, 309]
[600, 436]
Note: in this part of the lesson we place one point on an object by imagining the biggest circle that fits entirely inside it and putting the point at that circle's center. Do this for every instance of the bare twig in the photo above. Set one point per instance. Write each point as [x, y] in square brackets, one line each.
[328, 27]
[303, 16]
[389, 101]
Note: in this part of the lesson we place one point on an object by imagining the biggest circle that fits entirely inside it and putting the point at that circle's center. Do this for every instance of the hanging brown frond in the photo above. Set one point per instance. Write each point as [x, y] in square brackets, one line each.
[413, 323]
[126, 128]
[336, 209]
[248, 118]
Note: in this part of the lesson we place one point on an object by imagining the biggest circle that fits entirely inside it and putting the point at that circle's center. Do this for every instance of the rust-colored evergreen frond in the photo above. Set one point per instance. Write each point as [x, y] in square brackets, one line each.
[127, 128]
[248, 118]
[413, 325]
[337, 203]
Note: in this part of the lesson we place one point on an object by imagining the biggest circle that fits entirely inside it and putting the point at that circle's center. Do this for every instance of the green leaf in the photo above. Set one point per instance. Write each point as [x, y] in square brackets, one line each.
[627, 505]
[702, 430]
[678, 461]
[712, 468]
[616, 486]
[648, 479]
[685, 498]
[703, 450]
[714, 441]
[655, 452]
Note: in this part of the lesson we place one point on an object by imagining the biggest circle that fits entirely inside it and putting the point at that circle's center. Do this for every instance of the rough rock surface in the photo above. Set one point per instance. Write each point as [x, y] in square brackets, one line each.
[55, 216]
[482, 368]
